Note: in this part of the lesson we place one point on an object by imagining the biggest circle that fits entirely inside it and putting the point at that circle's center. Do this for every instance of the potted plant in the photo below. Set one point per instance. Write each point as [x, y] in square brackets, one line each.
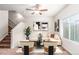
[27, 32]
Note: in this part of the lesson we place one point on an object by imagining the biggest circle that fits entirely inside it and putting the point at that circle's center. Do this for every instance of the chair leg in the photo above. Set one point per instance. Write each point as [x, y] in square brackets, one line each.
[26, 50]
[51, 50]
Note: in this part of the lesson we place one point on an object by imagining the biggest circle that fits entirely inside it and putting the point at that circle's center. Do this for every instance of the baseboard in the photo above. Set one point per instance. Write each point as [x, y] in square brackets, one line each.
[3, 36]
[67, 51]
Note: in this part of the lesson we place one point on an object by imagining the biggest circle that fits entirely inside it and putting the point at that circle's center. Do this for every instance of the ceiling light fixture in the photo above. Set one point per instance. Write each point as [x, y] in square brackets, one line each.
[37, 9]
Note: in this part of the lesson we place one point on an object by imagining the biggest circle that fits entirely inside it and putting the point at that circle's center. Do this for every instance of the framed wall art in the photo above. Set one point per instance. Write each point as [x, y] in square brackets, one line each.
[44, 26]
[56, 25]
[40, 25]
[37, 25]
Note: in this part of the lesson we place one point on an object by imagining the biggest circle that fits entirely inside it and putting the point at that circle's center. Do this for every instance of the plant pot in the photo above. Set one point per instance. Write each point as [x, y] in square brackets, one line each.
[27, 38]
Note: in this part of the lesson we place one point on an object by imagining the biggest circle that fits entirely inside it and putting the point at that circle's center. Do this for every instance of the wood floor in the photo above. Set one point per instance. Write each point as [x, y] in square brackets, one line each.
[59, 51]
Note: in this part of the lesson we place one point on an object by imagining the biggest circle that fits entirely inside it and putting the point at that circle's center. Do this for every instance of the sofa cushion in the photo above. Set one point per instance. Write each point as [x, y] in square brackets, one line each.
[56, 37]
[52, 35]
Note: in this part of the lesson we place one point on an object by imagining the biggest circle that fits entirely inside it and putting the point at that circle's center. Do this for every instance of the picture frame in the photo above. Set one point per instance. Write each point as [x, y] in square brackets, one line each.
[44, 26]
[40, 26]
[37, 25]
[56, 25]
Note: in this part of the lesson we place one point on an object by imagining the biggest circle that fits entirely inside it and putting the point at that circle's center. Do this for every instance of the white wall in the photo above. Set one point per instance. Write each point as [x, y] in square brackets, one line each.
[71, 46]
[29, 22]
[3, 24]
[17, 34]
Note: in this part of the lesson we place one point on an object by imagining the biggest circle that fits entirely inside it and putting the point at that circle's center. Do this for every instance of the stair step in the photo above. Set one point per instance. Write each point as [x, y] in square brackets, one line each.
[7, 37]
[4, 42]
[4, 45]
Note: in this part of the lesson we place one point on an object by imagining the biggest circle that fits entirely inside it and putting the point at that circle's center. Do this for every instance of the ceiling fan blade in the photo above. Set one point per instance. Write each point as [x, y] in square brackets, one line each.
[29, 9]
[43, 10]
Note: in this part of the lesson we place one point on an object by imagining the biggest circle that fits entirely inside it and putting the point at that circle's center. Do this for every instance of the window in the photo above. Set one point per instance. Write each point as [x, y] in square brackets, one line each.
[66, 30]
[71, 28]
[77, 32]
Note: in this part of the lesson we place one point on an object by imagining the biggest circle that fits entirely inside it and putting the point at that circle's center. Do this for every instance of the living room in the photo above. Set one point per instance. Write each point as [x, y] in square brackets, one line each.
[43, 27]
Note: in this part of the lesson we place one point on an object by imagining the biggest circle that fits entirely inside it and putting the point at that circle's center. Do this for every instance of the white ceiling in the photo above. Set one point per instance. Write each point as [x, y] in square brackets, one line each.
[53, 9]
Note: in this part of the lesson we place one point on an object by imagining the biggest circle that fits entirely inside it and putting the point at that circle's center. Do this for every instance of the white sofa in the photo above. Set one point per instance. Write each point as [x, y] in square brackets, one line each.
[56, 38]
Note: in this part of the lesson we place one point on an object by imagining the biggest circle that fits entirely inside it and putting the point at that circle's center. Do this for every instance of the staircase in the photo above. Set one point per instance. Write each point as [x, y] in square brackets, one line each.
[5, 43]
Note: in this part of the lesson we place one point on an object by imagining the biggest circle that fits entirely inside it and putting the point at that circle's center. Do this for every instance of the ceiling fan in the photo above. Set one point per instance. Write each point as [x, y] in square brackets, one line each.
[37, 8]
